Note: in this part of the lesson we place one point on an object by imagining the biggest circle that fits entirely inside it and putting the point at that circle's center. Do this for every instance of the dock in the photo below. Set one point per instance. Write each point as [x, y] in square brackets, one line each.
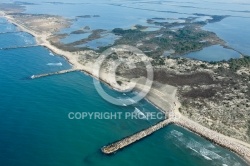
[112, 148]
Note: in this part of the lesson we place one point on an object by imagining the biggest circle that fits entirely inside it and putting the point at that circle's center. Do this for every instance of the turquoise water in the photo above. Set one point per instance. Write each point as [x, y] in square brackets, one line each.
[35, 128]
[5, 28]
[16, 39]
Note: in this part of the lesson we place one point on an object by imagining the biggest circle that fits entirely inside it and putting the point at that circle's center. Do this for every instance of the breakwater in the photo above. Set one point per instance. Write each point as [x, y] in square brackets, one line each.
[10, 48]
[55, 73]
[112, 148]
[9, 32]
[182, 121]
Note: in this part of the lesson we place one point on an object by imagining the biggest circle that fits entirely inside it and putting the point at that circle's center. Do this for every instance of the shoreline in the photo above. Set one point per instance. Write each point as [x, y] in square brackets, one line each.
[214, 137]
[233, 145]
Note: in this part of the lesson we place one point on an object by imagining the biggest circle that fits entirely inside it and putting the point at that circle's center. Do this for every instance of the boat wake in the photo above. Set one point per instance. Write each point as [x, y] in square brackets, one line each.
[131, 100]
[55, 64]
[140, 114]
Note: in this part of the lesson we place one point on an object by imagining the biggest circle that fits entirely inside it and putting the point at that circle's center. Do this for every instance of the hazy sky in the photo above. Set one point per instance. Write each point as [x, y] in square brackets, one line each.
[82, 1]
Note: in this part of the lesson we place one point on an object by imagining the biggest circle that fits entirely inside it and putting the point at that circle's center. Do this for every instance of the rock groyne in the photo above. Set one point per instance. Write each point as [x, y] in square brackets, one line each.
[112, 148]
[182, 121]
[10, 48]
[55, 73]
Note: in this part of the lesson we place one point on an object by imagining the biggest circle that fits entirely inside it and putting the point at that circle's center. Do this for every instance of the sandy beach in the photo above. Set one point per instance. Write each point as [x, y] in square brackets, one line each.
[156, 96]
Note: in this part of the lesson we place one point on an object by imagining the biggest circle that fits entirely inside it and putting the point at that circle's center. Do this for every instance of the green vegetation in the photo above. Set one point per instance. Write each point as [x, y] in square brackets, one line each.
[248, 130]
[78, 32]
[154, 43]
[140, 27]
[120, 31]
[203, 66]
[236, 64]
[158, 62]
[215, 18]
[186, 37]
[119, 82]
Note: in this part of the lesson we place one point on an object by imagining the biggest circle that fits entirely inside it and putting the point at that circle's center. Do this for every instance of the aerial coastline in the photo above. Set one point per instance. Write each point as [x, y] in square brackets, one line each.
[73, 58]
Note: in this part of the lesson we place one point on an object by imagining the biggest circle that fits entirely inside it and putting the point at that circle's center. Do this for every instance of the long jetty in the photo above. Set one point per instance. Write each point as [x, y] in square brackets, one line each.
[112, 148]
[10, 32]
[10, 48]
[55, 73]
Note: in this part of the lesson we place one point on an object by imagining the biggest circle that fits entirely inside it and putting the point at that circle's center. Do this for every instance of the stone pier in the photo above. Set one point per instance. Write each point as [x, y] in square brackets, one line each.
[180, 120]
[55, 73]
[112, 148]
[9, 48]
[9, 32]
